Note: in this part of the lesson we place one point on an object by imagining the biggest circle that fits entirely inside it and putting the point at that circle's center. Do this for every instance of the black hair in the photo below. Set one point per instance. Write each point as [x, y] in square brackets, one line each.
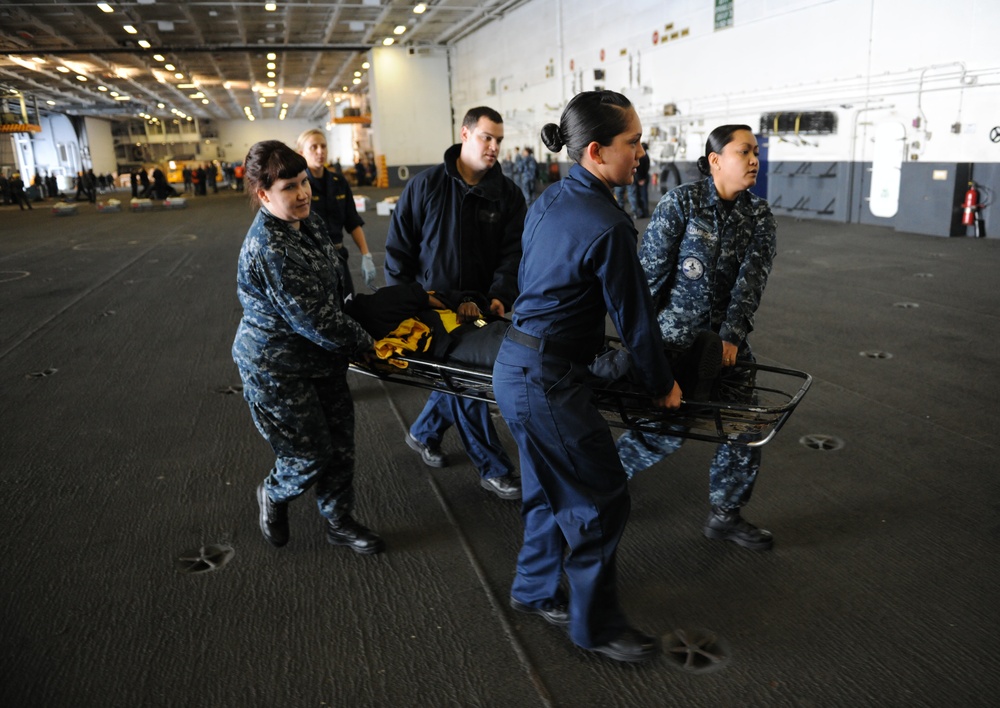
[591, 116]
[267, 162]
[717, 140]
[473, 115]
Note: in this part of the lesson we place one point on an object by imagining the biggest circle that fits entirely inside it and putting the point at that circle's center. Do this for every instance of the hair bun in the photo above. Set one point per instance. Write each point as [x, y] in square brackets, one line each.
[552, 137]
[703, 166]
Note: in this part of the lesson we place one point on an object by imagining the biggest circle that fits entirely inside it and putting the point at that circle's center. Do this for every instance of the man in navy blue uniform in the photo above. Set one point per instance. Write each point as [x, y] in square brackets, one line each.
[457, 226]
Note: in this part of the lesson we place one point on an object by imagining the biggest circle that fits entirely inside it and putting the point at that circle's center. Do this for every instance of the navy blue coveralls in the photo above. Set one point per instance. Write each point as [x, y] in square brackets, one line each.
[448, 235]
[293, 346]
[579, 265]
[333, 201]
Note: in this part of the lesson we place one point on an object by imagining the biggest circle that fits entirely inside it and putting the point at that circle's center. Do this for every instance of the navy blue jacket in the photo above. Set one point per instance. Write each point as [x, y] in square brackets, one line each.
[333, 201]
[447, 235]
[580, 264]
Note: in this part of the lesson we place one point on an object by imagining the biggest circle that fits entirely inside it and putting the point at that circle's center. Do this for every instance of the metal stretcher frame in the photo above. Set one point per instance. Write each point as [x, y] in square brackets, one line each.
[749, 413]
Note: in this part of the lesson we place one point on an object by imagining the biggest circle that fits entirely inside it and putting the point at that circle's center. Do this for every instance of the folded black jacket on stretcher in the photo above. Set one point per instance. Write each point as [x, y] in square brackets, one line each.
[472, 344]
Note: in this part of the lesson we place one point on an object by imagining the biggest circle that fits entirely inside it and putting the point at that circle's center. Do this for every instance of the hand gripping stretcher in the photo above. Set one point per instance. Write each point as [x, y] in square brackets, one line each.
[748, 406]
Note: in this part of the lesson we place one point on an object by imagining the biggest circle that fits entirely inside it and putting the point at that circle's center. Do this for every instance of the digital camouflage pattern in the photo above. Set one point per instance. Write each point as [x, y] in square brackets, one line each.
[293, 347]
[706, 269]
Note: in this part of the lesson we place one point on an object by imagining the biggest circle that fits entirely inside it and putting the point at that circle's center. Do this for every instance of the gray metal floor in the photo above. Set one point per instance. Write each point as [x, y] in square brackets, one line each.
[123, 448]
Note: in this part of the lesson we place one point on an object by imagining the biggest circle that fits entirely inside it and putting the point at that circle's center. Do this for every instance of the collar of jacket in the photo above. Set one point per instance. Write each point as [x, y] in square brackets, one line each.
[588, 178]
[740, 204]
[489, 187]
[306, 225]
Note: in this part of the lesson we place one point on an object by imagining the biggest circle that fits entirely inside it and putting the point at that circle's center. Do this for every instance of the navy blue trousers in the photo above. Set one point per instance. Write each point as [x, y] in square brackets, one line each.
[575, 500]
[475, 428]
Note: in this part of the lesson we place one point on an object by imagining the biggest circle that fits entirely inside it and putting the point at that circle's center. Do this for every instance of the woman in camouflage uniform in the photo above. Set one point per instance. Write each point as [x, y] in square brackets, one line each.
[707, 253]
[293, 347]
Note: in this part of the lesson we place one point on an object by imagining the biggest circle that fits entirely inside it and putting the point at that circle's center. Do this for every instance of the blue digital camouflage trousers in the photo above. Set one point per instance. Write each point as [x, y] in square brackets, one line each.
[309, 423]
[734, 468]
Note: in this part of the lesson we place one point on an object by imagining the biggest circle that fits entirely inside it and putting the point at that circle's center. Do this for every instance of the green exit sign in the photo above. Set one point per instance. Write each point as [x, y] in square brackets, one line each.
[723, 14]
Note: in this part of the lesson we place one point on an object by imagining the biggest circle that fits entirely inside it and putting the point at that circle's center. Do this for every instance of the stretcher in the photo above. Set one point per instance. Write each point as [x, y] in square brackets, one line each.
[748, 406]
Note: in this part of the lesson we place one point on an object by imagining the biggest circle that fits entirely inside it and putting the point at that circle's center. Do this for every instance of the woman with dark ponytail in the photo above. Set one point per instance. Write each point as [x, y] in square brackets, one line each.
[707, 253]
[579, 265]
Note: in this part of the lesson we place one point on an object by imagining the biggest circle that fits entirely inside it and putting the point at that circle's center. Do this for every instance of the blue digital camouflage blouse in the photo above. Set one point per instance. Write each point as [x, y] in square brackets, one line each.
[291, 286]
[706, 265]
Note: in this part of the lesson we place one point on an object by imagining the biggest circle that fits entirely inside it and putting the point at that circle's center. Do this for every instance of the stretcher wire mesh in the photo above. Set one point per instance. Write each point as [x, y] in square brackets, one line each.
[748, 407]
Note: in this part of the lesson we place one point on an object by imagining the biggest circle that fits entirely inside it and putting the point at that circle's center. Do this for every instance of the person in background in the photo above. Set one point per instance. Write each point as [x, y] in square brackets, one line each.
[457, 226]
[293, 347]
[333, 201]
[579, 266]
[640, 187]
[528, 175]
[707, 253]
[17, 192]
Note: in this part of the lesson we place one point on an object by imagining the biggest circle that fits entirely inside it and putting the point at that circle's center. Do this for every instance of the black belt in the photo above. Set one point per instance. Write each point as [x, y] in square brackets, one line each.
[578, 352]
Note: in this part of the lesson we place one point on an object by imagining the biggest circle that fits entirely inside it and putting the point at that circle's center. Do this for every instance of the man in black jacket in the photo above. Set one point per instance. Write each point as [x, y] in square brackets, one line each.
[457, 226]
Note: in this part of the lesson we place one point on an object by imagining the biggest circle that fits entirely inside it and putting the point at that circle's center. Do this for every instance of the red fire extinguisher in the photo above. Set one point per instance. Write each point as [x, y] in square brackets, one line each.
[970, 208]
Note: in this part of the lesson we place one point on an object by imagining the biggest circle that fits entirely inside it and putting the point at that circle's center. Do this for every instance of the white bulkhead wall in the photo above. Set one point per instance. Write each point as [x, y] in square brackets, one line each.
[932, 66]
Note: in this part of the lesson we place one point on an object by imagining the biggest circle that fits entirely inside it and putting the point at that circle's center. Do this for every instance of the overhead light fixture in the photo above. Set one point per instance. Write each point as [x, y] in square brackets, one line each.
[192, 85]
[62, 69]
[357, 73]
[419, 9]
[271, 65]
[271, 74]
[159, 57]
[270, 6]
[205, 101]
[366, 65]
[178, 75]
[144, 44]
[38, 60]
[105, 7]
[51, 103]
[271, 56]
[123, 98]
[399, 29]
[169, 67]
[81, 78]
[388, 41]
[355, 81]
[102, 88]
[130, 29]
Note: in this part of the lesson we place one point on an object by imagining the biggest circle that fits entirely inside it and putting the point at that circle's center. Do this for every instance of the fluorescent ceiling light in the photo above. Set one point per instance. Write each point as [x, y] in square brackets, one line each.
[144, 44]
[105, 7]
[270, 6]
[130, 29]
[399, 29]
[388, 41]
[420, 8]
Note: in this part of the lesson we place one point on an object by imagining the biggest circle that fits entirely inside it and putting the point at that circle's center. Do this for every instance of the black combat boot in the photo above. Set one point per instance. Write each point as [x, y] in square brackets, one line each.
[273, 518]
[728, 525]
[345, 531]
